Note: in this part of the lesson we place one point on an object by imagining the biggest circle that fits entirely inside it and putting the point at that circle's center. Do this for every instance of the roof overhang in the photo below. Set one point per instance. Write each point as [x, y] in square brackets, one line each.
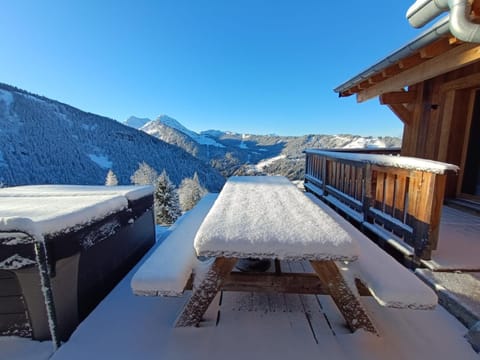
[434, 52]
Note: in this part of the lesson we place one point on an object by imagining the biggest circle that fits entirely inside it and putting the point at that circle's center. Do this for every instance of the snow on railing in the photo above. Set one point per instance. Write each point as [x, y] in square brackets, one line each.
[400, 194]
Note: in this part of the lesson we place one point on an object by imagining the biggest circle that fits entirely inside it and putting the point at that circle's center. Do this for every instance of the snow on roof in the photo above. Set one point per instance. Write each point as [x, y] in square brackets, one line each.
[403, 162]
[130, 192]
[249, 219]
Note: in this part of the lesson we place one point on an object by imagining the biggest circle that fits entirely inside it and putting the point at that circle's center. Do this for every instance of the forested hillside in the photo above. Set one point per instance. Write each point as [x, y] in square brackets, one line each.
[43, 141]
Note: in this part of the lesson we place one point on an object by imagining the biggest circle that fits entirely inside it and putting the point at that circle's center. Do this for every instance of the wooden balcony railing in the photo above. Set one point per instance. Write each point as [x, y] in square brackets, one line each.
[395, 197]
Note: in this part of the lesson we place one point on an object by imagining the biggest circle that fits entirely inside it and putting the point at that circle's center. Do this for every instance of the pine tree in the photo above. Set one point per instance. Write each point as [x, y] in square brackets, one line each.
[144, 175]
[167, 206]
[111, 179]
[190, 192]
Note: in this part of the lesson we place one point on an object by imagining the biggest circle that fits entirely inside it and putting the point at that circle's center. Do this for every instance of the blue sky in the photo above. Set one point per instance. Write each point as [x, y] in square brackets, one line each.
[249, 66]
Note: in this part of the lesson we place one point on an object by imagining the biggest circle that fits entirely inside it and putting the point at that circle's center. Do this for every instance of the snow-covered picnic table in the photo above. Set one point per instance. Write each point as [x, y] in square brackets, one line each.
[268, 217]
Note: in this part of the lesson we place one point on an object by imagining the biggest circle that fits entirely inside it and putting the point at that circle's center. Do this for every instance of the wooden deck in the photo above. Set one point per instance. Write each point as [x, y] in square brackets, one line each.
[454, 269]
[459, 242]
[240, 325]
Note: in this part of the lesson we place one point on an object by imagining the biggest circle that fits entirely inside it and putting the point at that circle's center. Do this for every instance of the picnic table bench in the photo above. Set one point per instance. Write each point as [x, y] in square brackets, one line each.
[168, 269]
[268, 217]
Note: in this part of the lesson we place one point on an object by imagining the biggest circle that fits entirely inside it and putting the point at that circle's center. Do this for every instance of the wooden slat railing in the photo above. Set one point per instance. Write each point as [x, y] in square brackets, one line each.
[395, 197]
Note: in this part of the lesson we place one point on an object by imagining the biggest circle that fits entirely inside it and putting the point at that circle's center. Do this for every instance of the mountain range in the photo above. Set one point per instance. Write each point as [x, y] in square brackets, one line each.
[43, 141]
[238, 154]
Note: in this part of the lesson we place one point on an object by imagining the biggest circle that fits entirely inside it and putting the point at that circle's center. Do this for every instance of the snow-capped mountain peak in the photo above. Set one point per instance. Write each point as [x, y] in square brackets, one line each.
[152, 128]
[174, 124]
[136, 122]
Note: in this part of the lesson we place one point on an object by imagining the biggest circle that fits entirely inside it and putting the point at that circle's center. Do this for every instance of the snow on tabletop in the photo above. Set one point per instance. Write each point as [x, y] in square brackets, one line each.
[403, 162]
[168, 269]
[130, 192]
[268, 217]
[50, 214]
[390, 283]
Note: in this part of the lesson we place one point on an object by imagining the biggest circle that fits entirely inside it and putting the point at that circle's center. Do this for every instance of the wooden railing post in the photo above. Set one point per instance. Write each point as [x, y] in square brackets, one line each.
[425, 211]
[324, 174]
[368, 187]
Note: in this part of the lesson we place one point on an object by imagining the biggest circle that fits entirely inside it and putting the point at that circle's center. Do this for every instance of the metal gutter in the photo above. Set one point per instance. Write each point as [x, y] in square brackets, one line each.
[432, 34]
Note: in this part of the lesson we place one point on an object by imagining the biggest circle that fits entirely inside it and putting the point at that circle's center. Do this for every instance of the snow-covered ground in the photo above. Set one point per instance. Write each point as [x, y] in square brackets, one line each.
[362, 143]
[261, 326]
[6, 97]
[264, 163]
[458, 243]
[101, 160]
[244, 325]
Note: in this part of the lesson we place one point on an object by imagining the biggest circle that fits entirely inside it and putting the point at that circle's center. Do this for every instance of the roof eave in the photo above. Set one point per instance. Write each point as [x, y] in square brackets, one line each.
[432, 34]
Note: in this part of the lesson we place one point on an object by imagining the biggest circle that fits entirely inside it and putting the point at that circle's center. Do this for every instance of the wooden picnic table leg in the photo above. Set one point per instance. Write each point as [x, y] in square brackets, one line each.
[346, 301]
[203, 295]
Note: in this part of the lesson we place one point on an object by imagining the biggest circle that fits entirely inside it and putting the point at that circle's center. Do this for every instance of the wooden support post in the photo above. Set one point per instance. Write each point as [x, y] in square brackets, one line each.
[347, 303]
[203, 295]
[325, 175]
[425, 211]
[367, 190]
[278, 267]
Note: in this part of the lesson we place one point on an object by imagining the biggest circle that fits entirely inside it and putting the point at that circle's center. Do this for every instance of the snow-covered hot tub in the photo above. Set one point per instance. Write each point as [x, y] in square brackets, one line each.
[63, 248]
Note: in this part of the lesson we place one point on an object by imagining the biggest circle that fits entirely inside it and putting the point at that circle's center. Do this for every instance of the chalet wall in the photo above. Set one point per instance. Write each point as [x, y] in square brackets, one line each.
[440, 119]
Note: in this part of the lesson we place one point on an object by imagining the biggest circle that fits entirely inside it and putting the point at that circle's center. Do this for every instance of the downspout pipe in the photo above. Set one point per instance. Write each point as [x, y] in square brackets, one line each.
[423, 11]
[460, 25]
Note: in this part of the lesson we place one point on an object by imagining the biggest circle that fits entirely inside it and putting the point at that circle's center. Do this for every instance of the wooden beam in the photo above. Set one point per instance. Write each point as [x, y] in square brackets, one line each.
[364, 85]
[398, 97]
[410, 61]
[201, 298]
[289, 283]
[346, 93]
[402, 113]
[476, 7]
[453, 59]
[346, 301]
[453, 40]
[436, 48]
[391, 71]
[472, 80]
[376, 78]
